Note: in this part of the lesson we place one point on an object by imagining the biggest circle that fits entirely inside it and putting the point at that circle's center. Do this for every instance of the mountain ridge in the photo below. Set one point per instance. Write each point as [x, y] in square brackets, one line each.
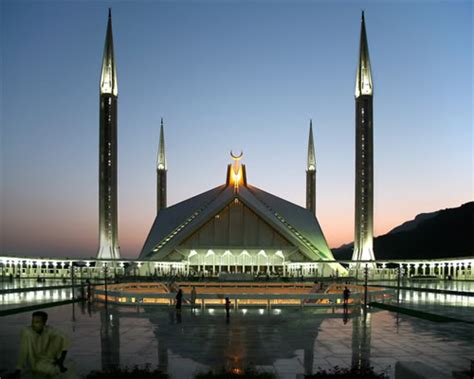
[446, 233]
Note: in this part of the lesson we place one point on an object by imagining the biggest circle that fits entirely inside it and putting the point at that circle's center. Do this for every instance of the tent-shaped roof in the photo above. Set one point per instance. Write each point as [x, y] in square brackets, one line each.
[176, 223]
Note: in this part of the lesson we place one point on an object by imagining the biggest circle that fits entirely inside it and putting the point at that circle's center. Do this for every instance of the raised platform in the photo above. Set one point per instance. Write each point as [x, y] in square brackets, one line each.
[268, 294]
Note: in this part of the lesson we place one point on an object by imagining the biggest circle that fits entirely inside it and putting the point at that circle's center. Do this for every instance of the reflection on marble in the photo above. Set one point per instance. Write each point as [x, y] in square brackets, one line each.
[15, 300]
[451, 285]
[361, 331]
[286, 341]
[110, 338]
[28, 283]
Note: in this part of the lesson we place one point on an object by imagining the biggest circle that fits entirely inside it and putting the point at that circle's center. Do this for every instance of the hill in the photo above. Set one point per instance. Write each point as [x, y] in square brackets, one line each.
[446, 233]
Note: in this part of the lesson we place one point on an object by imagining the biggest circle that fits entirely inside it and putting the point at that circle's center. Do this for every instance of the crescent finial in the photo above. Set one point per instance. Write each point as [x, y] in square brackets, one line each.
[236, 157]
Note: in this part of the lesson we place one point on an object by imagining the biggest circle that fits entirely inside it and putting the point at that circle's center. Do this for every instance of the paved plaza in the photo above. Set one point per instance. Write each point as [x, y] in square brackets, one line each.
[287, 341]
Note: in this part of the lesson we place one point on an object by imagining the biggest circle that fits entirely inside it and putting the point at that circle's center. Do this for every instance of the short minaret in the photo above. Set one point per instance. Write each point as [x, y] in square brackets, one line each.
[311, 173]
[108, 232]
[161, 169]
[364, 174]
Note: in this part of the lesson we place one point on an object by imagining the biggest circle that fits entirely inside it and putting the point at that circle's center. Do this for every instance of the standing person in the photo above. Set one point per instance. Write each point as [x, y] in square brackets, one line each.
[179, 300]
[42, 347]
[83, 292]
[227, 306]
[346, 294]
[193, 297]
[89, 290]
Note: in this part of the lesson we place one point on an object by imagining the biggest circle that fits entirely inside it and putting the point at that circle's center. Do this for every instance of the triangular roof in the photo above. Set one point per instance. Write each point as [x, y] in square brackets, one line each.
[176, 223]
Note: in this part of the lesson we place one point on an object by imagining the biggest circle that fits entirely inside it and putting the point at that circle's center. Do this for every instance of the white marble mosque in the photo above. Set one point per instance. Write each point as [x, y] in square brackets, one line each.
[235, 227]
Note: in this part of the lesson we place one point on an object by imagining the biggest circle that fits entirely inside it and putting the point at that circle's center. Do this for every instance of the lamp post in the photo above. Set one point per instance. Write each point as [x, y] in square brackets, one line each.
[399, 277]
[71, 266]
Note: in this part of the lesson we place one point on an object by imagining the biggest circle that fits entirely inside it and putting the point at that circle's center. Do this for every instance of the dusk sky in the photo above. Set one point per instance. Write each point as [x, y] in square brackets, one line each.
[228, 75]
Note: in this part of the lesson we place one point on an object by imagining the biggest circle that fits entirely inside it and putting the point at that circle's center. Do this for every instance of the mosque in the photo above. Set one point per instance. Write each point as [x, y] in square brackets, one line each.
[236, 227]
[239, 228]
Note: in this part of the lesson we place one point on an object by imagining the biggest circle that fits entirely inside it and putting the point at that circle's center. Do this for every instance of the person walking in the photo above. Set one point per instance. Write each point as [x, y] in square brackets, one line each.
[346, 294]
[227, 307]
[193, 298]
[83, 292]
[179, 300]
[89, 290]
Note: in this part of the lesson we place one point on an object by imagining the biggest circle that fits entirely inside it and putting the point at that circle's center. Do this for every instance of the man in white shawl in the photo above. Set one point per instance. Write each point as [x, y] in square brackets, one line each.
[43, 348]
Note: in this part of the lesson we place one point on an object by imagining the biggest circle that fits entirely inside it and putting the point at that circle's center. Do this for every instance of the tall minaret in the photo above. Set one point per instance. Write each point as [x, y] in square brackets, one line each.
[364, 175]
[108, 234]
[161, 169]
[311, 173]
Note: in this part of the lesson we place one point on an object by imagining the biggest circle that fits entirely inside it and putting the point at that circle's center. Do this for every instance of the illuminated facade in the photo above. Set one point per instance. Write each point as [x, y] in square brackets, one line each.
[461, 268]
[108, 232]
[239, 228]
[364, 177]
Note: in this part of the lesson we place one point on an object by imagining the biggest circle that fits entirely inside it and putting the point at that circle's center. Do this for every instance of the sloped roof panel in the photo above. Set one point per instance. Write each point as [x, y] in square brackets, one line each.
[298, 217]
[176, 223]
[169, 219]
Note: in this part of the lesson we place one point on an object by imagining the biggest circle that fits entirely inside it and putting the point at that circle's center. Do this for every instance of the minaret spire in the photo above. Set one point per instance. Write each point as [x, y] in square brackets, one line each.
[108, 226]
[364, 84]
[311, 173]
[364, 160]
[311, 166]
[161, 158]
[161, 168]
[108, 78]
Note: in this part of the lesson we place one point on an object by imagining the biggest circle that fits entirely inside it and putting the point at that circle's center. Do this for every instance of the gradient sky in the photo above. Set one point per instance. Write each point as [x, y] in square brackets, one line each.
[228, 75]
